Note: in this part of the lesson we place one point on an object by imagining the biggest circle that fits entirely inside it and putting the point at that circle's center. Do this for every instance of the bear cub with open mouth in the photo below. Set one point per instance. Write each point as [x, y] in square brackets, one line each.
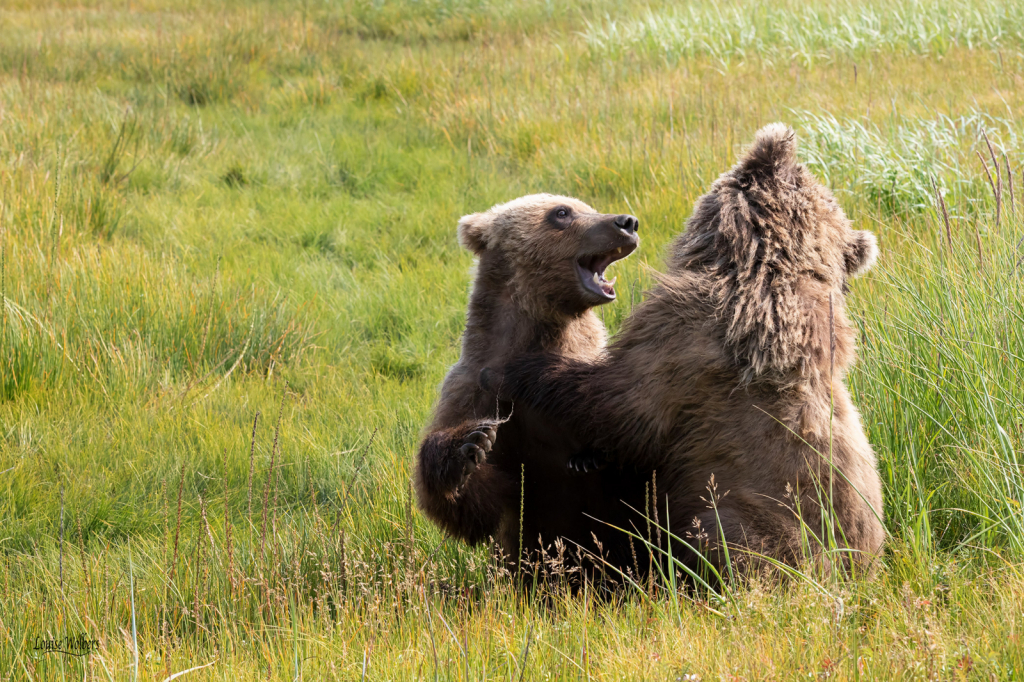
[541, 271]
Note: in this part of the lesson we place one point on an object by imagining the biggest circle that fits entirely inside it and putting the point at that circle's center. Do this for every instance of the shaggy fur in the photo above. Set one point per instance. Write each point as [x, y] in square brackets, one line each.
[527, 297]
[729, 371]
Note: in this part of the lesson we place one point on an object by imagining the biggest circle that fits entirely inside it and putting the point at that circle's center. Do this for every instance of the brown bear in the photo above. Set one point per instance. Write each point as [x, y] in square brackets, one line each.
[731, 374]
[542, 261]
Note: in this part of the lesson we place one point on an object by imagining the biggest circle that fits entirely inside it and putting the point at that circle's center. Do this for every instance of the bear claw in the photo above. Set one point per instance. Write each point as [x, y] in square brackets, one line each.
[474, 454]
[484, 439]
[476, 445]
[587, 462]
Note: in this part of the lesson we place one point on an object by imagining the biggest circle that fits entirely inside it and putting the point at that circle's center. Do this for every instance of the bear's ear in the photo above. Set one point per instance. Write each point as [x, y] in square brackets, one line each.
[860, 253]
[473, 229]
[773, 152]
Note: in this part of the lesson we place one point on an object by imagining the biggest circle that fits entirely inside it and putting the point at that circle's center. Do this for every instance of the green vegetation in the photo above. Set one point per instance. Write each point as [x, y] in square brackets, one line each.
[213, 211]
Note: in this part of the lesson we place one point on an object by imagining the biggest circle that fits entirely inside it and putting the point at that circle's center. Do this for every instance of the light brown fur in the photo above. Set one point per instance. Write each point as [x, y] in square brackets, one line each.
[732, 367]
[527, 297]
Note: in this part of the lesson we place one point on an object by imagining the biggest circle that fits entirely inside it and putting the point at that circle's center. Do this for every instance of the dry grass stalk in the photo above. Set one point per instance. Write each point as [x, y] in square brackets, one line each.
[177, 525]
[58, 174]
[85, 565]
[294, 578]
[266, 504]
[227, 531]
[252, 464]
[1009, 183]
[341, 563]
[832, 336]
[7, 575]
[316, 509]
[409, 535]
[636, 563]
[61, 550]
[198, 572]
[945, 215]
[277, 474]
[270, 476]
[165, 513]
[997, 188]
[280, 565]
[163, 627]
[206, 522]
[522, 510]
[654, 504]
[977, 236]
[203, 568]
[650, 539]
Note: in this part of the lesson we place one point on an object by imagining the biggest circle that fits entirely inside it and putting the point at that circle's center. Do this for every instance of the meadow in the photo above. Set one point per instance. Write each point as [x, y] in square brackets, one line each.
[230, 287]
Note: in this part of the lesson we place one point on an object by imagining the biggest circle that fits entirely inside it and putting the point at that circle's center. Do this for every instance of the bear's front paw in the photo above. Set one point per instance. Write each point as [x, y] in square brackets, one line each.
[475, 447]
[587, 462]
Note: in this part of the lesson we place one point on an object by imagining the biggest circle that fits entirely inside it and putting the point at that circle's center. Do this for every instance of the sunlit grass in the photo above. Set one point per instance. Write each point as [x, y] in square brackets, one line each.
[795, 31]
[210, 212]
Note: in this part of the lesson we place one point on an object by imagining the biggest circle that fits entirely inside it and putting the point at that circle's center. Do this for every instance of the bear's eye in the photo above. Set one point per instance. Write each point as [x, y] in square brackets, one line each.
[560, 217]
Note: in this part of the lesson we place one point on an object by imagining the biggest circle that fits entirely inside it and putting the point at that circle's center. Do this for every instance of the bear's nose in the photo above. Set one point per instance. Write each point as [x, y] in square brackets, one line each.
[627, 222]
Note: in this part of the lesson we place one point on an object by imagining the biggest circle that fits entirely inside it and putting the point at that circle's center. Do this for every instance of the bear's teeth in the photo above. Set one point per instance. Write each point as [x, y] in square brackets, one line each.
[611, 282]
[597, 278]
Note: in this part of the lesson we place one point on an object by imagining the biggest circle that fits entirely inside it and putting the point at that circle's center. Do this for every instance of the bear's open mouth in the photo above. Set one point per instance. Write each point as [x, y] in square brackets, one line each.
[590, 269]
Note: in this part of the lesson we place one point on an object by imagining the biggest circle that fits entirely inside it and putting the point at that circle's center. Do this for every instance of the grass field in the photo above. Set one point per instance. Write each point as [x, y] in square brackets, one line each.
[230, 287]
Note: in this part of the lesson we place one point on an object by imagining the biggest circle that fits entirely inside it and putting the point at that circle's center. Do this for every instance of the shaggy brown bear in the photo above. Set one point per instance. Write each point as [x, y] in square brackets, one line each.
[542, 261]
[731, 372]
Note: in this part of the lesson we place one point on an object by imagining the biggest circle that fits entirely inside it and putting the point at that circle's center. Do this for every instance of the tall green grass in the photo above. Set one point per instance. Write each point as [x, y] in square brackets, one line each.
[942, 368]
[786, 31]
[901, 169]
[213, 211]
